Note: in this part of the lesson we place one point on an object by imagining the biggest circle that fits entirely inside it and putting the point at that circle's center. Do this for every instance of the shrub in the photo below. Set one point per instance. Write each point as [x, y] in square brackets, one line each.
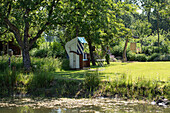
[148, 50]
[131, 56]
[15, 62]
[141, 57]
[39, 80]
[67, 87]
[117, 50]
[46, 64]
[153, 56]
[57, 49]
[65, 64]
[162, 58]
[41, 53]
[92, 80]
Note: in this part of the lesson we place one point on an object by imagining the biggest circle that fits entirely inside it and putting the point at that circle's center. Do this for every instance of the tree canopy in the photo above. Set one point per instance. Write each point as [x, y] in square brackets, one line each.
[99, 21]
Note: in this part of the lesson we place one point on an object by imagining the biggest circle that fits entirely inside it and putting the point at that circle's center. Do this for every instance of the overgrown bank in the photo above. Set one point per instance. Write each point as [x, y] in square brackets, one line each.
[45, 85]
[14, 82]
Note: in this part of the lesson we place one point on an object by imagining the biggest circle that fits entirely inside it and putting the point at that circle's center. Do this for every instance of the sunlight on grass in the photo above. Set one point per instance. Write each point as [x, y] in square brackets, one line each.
[134, 70]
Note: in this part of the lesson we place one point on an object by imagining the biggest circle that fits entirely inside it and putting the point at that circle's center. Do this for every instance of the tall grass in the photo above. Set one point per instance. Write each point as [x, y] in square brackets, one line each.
[92, 80]
[141, 88]
[14, 81]
[41, 82]
[8, 81]
[38, 82]
[47, 64]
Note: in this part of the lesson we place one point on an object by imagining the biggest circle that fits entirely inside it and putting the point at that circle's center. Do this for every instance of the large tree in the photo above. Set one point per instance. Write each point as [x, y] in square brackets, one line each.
[158, 14]
[28, 19]
[141, 29]
[97, 21]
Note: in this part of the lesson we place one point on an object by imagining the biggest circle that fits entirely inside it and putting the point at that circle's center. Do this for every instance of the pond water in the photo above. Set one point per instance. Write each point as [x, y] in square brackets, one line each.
[88, 109]
[82, 106]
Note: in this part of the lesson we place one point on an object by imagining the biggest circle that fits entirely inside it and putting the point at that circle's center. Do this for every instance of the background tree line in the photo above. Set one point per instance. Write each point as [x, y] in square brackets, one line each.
[101, 22]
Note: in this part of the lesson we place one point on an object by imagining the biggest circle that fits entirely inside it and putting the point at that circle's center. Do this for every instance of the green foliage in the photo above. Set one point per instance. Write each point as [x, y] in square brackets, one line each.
[92, 80]
[141, 57]
[54, 49]
[162, 58]
[153, 56]
[8, 80]
[131, 56]
[139, 89]
[42, 53]
[151, 42]
[65, 64]
[141, 28]
[57, 50]
[16, 62]
[117, 50]
[67, 87]
[46, 64]
[40, 79]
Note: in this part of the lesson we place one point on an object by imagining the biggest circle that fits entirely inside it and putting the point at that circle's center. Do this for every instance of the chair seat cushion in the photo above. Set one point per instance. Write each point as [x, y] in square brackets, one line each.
[85, 59]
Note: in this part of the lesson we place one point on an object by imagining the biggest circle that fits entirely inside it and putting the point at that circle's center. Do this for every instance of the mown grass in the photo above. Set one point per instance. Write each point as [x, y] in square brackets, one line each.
[159, 71]
[148, 70]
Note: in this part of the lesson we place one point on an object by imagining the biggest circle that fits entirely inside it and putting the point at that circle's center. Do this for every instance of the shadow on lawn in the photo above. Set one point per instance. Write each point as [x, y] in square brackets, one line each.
[69, 74]
[80, 74]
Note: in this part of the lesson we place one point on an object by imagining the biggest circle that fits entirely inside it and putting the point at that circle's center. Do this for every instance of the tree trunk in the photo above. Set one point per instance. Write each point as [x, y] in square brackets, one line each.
[91, 53]
[149, 12]
[26, 59]
[124, 51]
[141, 44]
[158, 30]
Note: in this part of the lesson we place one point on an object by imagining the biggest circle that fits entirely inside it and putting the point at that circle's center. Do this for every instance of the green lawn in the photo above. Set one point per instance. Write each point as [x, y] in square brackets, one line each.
[133, 70]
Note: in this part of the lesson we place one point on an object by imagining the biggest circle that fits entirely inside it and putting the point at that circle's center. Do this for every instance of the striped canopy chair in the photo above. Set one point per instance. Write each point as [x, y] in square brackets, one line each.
[75, 50]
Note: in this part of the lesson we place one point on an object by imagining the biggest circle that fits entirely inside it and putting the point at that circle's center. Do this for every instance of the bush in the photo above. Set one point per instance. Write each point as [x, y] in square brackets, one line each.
[55, 50]
[117, 50]
[39, 80]
[153, 56]
[162, 58]
[15, 62]
[46, 64]
[141, 57]
[92, 80]
[41, 53]
[65, 64]
[149, 50]
[131, 56]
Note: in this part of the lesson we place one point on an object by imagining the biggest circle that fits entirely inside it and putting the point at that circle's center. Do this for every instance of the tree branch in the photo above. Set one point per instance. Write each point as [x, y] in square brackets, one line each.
[15, 30]
[31, 42]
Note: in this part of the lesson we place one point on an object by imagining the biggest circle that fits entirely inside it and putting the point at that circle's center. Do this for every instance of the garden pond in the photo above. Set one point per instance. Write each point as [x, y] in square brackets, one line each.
[65, 105]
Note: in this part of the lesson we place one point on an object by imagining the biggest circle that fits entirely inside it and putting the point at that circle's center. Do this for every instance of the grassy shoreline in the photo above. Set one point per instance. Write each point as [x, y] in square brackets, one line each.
[137, 80]
[91, 87]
